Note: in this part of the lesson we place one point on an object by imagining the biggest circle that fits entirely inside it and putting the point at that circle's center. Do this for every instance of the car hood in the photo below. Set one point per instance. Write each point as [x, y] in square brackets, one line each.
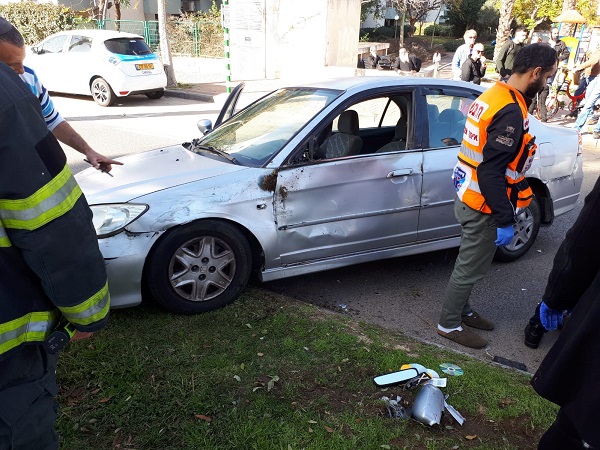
[149, 172]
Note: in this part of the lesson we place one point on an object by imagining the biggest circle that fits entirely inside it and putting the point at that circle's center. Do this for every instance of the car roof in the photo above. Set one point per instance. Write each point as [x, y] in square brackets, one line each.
[99, 34]
[371, 82]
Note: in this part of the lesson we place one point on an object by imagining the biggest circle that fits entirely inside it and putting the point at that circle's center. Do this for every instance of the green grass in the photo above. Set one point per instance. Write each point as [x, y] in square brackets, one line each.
[269, 373]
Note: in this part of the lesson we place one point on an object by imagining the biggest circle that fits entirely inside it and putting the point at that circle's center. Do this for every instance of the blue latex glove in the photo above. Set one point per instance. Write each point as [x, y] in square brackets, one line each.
[504, 235]
[550, 318]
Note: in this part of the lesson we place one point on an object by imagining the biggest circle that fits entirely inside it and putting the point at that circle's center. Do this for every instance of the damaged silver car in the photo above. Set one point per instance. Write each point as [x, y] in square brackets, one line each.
[305, 179]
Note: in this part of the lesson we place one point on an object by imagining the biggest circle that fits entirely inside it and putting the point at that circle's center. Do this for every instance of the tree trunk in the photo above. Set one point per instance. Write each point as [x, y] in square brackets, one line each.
[165, 47]
[117, 4]
[402, 25]
[503, 33]
[101, 9]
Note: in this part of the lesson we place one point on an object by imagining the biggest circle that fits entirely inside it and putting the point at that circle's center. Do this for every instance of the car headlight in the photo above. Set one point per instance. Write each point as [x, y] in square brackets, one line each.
[111, 218]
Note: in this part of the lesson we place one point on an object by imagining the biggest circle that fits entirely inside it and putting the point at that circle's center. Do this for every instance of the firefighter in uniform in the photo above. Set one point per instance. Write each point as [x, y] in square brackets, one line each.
[51, 270]
[491, 189]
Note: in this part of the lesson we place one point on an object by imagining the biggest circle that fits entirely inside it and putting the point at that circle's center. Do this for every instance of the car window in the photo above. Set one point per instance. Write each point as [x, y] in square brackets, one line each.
[446, 118]
[377, 125]
[262, 129]
[374, 114]
[80, 44]
[127, 46]
[54, 44]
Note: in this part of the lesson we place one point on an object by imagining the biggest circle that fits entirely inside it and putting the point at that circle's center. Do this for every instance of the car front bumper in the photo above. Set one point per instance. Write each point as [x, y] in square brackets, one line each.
[124, 256]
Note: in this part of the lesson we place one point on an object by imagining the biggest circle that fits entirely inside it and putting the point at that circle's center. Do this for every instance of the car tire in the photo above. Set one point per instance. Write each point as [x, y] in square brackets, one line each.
[102, 92]
[155, 95]
[526, 230]
[199, 267]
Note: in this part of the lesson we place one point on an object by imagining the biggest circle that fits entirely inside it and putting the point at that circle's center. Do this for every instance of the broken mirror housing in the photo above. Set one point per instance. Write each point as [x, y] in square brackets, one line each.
[428, 405]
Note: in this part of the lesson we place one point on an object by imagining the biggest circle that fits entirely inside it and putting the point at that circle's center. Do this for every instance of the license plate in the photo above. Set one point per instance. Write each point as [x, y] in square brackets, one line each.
[144, 66]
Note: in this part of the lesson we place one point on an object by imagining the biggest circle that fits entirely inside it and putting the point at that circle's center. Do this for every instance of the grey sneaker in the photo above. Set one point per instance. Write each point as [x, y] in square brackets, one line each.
[596, 135]
[464, 337]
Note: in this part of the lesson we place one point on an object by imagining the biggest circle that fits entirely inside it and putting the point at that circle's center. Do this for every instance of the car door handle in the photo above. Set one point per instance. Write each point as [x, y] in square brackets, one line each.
[399, 173]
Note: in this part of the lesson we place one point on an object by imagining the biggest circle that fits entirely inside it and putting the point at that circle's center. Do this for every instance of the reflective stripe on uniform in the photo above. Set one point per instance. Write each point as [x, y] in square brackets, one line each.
[471, 154]
[32, 327]
[513, 175]
[91, 310]
[4, 240]
[49, 202]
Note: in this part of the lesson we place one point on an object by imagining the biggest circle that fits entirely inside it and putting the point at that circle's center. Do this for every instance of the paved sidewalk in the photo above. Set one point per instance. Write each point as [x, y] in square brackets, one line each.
[203, 82]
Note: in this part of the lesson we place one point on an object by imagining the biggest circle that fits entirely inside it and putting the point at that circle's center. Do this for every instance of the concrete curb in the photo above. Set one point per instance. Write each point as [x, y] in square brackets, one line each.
[188, 95]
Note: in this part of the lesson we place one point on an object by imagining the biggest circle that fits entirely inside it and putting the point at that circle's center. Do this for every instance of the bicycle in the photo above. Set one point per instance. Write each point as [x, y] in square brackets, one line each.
[560, 86]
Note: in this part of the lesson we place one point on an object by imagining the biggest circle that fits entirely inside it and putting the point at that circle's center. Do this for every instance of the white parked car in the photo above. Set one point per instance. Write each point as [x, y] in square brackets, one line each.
[101, 63]
[305, 179]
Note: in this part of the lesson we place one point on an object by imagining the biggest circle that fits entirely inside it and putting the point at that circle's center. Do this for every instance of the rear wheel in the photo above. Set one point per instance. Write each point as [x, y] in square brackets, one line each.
[526, 230]
[155, 95]
[552, 106]
[102, 92]
[199, 267]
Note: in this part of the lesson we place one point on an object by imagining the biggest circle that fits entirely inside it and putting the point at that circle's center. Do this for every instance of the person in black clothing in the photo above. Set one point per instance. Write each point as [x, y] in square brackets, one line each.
[405, 62]
[562, 53]
[508, 52]
[568, 373]
[473, 69]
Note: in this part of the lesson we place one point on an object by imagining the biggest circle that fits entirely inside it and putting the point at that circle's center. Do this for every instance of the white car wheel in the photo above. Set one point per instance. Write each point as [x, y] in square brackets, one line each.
[102, 92]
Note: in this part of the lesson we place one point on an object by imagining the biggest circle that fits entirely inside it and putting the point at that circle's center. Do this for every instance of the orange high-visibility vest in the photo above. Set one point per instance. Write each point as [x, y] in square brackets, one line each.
[480, 115]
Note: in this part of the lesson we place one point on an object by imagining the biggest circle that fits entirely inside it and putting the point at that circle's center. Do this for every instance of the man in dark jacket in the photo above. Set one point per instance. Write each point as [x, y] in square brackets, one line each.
[52, 275]
[562, 53]
[508, 52]
[568, 374]
[405, 62]
[473, 69]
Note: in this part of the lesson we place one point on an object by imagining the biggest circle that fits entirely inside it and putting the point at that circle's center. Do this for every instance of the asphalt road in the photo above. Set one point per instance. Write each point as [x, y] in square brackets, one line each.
[402, 294]
[405, 294]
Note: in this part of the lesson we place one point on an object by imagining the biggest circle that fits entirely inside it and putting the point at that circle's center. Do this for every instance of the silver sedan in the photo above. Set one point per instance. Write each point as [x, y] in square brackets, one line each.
[307, 178]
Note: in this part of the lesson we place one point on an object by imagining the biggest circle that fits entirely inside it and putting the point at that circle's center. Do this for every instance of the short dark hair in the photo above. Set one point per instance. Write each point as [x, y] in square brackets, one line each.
[12, 36]
[534, 55]
[519, 29]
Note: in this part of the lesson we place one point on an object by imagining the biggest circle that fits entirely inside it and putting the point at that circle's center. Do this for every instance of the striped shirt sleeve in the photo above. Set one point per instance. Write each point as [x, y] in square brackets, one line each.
[51, 115]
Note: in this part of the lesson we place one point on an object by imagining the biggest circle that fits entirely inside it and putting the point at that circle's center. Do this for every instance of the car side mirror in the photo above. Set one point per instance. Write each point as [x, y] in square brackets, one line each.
[205, 126]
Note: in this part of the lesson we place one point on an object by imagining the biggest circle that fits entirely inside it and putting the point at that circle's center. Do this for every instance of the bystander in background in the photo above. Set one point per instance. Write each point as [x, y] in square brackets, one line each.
[562, 54]
[473, 69]
[508, 52]
[462, 53]
[407, 62]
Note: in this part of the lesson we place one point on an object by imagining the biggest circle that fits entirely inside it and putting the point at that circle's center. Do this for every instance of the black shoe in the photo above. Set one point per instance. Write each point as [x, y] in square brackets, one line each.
[534, 334]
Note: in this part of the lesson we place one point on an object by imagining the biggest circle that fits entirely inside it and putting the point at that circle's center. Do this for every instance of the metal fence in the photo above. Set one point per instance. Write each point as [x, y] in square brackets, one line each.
[146, 28]
[188, 38]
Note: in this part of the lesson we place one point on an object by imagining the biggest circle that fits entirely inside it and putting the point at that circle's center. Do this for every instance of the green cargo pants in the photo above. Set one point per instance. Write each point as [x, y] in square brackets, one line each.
[27, 406]
[474, 259]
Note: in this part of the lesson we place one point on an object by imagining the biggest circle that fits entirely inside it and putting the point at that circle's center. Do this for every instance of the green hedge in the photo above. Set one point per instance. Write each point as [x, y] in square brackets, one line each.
[37, 21]
[376, 34]
[440, 30]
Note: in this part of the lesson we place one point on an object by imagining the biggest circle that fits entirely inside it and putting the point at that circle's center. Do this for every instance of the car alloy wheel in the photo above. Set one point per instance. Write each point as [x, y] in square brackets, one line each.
[526, 231]
[102, 92]
[199, 267]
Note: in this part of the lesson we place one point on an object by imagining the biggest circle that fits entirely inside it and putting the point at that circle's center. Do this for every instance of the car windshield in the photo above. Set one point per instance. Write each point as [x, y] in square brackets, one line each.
[261, 130]
[127, 46]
